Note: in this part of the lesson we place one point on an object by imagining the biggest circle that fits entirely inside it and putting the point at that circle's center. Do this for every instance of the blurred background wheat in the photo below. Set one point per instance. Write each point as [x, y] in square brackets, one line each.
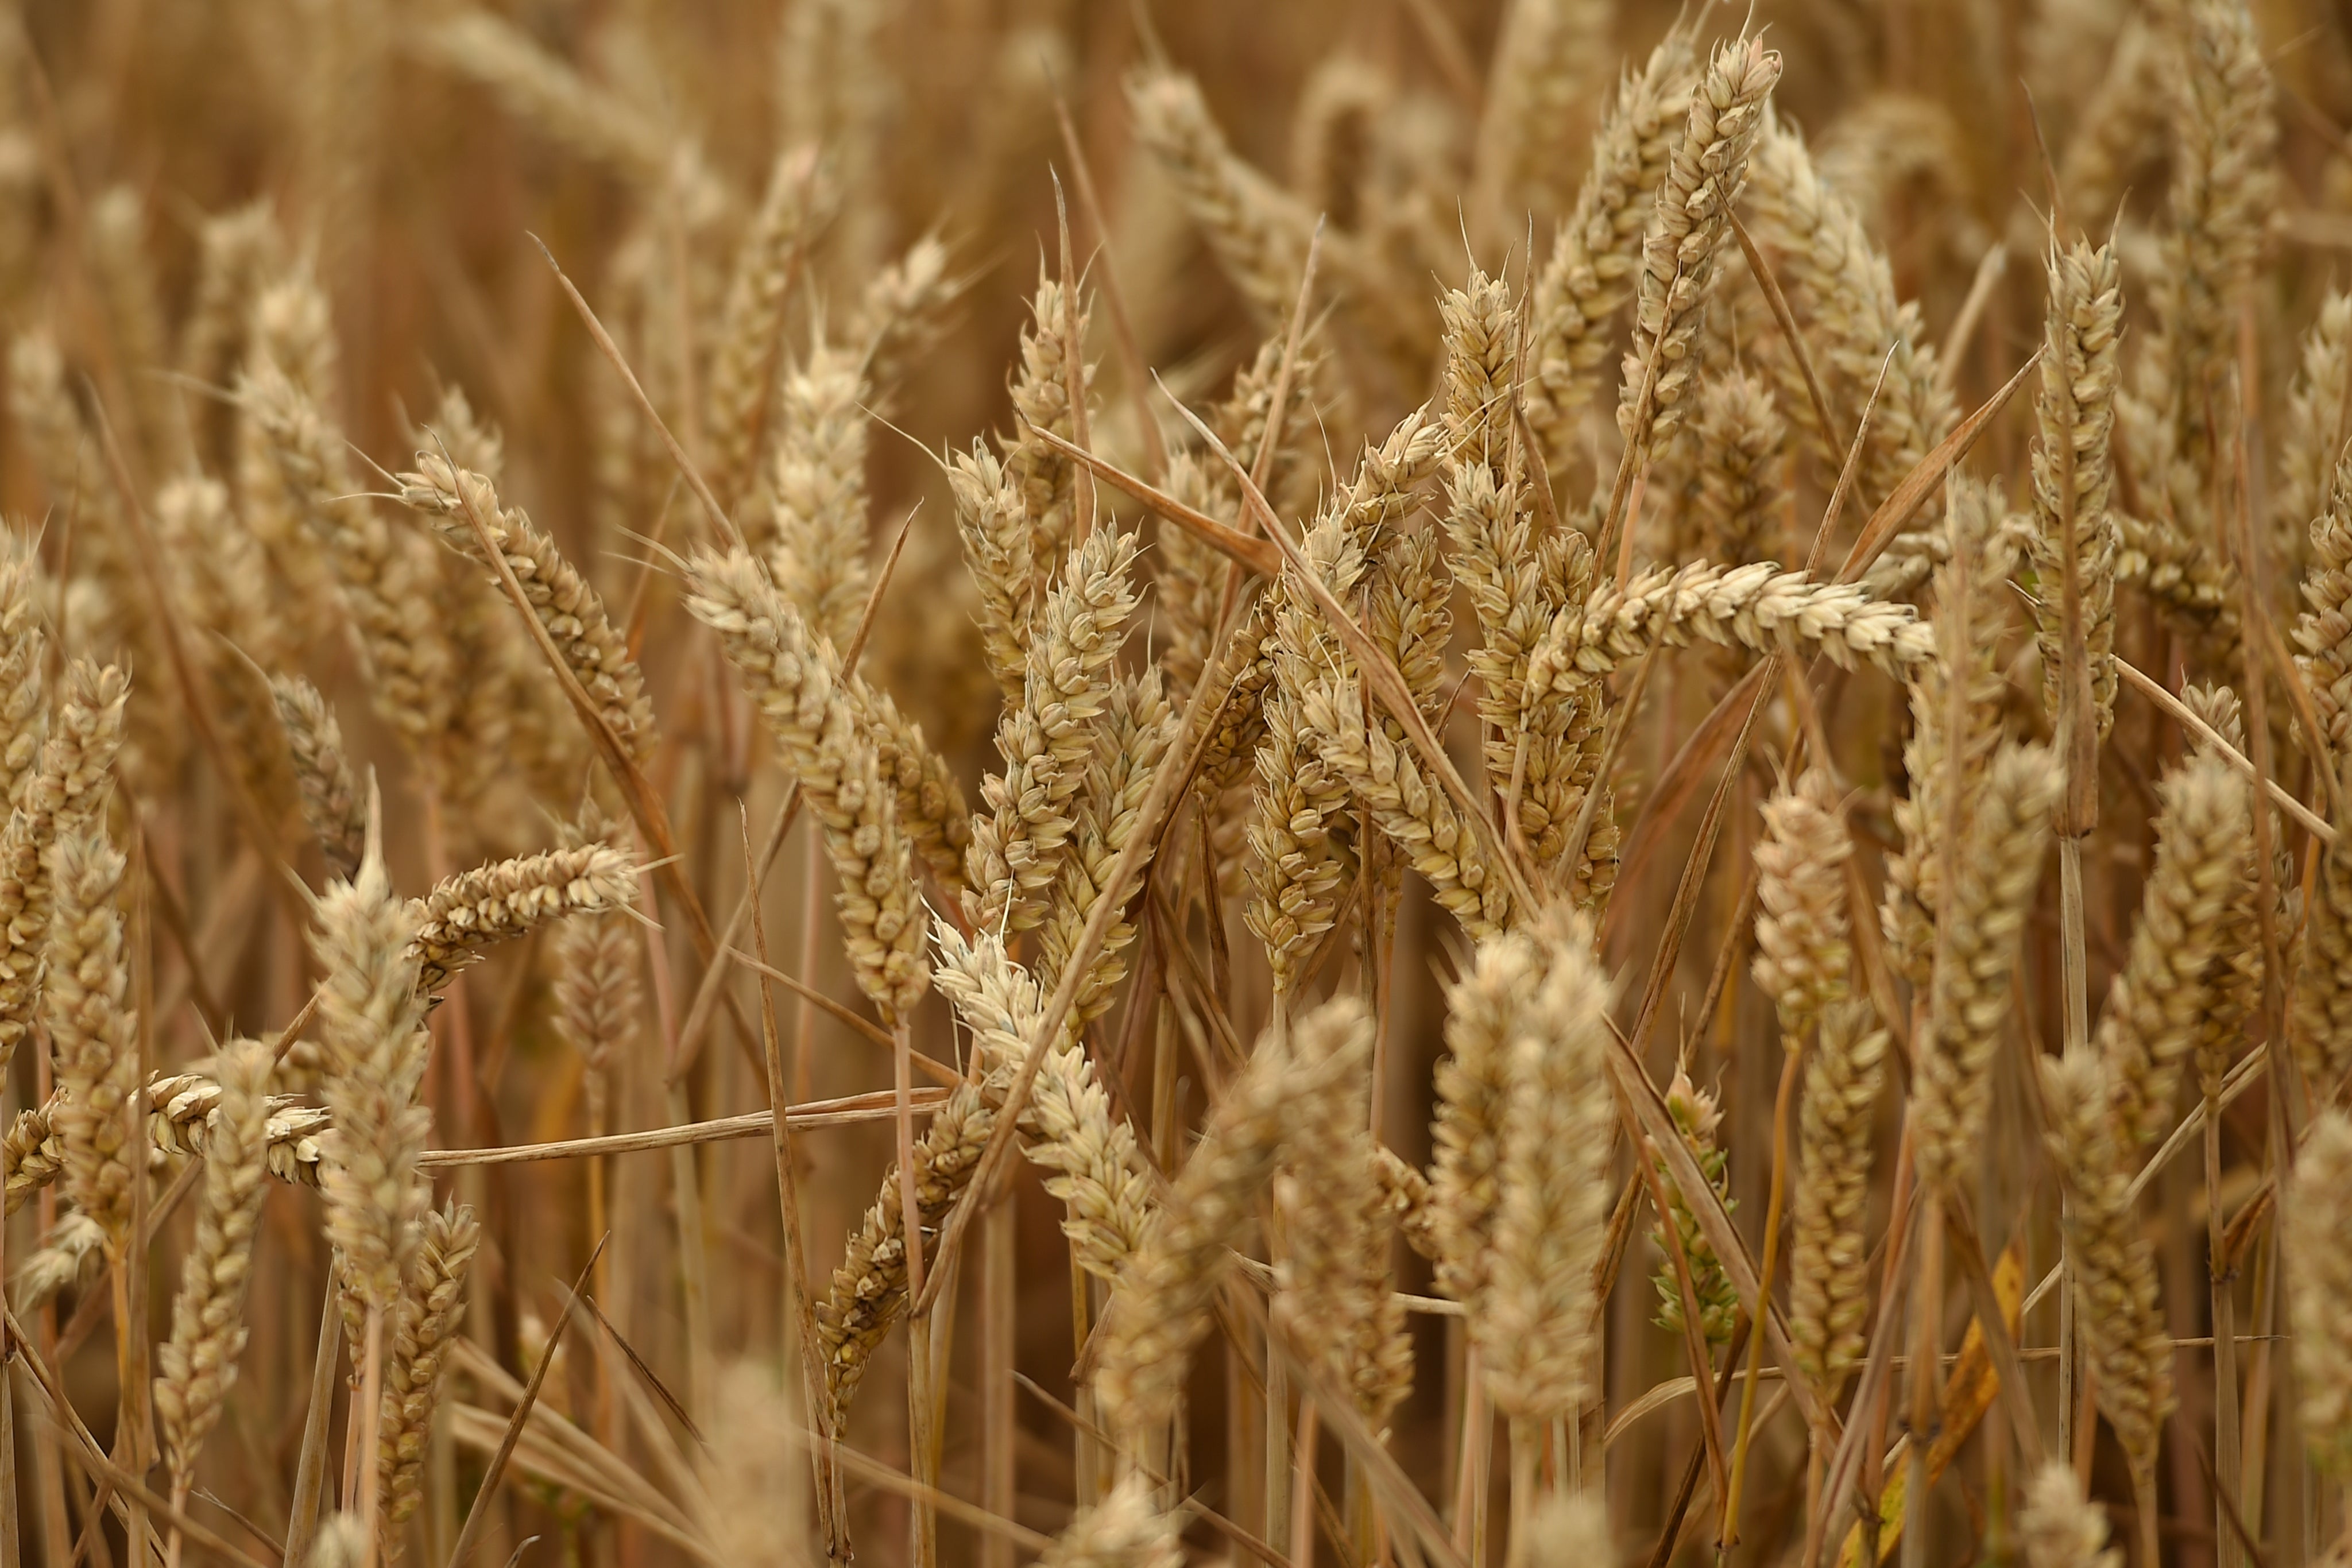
[1558, 781]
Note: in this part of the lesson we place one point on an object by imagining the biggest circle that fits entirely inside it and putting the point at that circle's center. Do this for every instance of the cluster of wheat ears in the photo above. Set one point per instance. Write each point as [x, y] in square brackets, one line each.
[1327, 946]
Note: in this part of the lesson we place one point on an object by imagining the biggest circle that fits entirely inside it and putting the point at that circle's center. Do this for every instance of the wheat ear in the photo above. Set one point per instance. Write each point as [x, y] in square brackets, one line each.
[1123, 1530]
[421, 1331]
[474, 910]
[817, 482]
[751, 330]
[93, 1033]
[2317, 1215]
[2061, 1528]
[24, 697]
[2072, 469]
[1829, 1291]
[197, 1365]
[332, 807]
[1801, 951]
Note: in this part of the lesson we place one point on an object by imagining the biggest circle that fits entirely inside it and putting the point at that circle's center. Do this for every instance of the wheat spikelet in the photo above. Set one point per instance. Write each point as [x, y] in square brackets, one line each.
[559, 596]
[474, 910]
[197, 1365]
[1845, 285]
[1023, 828]
[1703, 184]
[93, 1033]
[331, 808]
[370, 1022]
[419, 1336]
[1535, 1330]
[1258, 232]
[1829, 1291]
[1161, 1309]
[751, 330]
[2317, 1215]
[1802, 956]
[2074, 415]
[2061, 1528]
[2114, 1265]
[818, 481]
[1067, 1125]
[2165, 991]
[830, 747]
[1998, 865]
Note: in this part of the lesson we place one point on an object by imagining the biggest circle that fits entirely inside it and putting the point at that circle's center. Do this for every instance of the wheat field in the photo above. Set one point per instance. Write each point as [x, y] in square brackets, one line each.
[1366, 783]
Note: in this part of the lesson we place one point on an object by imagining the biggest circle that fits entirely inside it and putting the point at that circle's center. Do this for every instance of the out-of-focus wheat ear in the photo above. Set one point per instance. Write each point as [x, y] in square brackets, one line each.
[1473, 1083]
[65, 794]
[197, 1364]
[2224, 139]
[1024, 824]
[2324, 631]
[1915, 872]
[1998, 866]
[751, 338]
[1596, 256]
[1125, 1530]
[341, 1542]
[1535, 1334]
[1568, 1530]
[1743, 482]
[66, 453]
[1161, 1308]
[2317, 1215]
[2074, 470]
[423, 1328]
[371, 1012]
[387, 578]
[1845, 285]
[330, 796]
[560, 597]
[1257, 231]
[466, 915]
[1338, 1301]
[93, 1033]
[550, 96]
[2312, 443]
[1068, 1127]
[1829, 1290]
[1548, 60]
[993, 521]
[1703, 184]
[2059, 1527]
[471, 442]
[2165, 991]
[755, 1483]
[23, 675]
[72, 1249]
[817, 481]
[2320, 1016]
[119, 249]
[1801, 951]
[2114, 1264]
[901, 313]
